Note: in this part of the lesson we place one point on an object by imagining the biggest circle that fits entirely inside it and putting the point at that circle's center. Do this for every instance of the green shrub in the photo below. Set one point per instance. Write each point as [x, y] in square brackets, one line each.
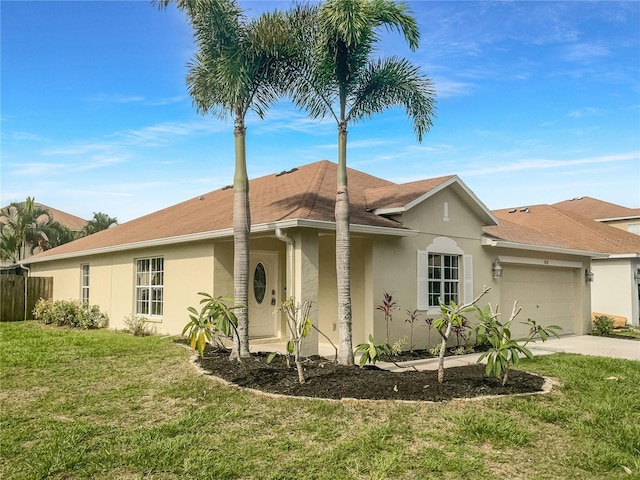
[138, 326]
[70, 313]
[371, 352]
[603, 325]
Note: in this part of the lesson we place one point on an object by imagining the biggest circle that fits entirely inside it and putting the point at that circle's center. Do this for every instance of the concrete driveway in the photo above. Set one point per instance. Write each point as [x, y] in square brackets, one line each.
[589, 345]
[581, 344]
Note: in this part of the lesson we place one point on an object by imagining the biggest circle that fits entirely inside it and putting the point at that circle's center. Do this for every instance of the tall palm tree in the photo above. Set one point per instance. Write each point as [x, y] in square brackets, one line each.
[336, 77]
[100, 221]
[24, 227]
[234, 71]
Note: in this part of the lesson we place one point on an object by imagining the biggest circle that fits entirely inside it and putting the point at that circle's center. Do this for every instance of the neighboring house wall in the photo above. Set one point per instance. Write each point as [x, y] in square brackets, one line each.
[616, 288]
[628, 225]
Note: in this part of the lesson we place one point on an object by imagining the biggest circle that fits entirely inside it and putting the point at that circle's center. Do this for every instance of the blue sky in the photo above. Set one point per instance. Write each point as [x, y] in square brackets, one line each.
[537, 102]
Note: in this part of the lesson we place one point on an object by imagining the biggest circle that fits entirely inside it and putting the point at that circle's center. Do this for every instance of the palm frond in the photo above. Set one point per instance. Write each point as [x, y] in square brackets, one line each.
[394, 82]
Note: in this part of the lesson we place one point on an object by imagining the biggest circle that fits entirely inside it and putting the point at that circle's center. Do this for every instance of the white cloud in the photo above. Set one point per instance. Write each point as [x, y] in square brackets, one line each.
[585, 52]
[585, 112]
[545, 163]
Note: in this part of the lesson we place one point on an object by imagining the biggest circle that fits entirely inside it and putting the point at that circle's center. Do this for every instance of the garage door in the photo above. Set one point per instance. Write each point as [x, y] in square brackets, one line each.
[546, 295]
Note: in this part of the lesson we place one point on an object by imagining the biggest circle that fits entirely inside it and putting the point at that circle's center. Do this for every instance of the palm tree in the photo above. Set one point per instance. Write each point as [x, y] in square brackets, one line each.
[233, 71]
[337, 78]
[100, 221]
[24, 227]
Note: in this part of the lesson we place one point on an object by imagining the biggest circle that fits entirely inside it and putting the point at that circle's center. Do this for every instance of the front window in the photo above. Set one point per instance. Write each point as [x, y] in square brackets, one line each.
[149, 286]
[84, 284]
[443, 279]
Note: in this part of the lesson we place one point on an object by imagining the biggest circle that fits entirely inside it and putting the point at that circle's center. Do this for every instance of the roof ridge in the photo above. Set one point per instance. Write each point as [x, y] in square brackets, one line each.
[311, 195]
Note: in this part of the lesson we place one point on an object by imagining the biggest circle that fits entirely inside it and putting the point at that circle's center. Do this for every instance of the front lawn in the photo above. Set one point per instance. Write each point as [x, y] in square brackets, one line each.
[99, 404]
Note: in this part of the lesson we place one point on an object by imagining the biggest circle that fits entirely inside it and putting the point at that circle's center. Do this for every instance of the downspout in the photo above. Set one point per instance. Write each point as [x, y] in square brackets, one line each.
[280, 235]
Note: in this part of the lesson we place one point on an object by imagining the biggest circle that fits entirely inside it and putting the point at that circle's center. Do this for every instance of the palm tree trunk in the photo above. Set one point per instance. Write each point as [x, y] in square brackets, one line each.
[343, 246]
[241, 235]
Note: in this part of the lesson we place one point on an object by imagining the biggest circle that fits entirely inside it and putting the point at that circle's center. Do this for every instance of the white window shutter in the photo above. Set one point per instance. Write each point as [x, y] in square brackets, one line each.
[468, 278]
[423, 280]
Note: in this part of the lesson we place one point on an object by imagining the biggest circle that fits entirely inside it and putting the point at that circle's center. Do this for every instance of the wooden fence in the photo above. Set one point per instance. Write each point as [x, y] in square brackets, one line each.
[12, 296]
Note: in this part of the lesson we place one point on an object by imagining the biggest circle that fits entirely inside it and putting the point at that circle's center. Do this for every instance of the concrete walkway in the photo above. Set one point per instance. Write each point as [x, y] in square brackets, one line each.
[581, 344]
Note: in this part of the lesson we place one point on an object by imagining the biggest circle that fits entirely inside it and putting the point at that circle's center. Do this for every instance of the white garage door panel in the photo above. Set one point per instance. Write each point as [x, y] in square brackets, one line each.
[545, 294]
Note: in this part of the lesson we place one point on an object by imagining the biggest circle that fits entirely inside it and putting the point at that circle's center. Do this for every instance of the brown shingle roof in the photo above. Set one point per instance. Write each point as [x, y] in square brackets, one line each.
[70, 221]
[596, 209]
[549, 226]
[307, 192]
[395, 196]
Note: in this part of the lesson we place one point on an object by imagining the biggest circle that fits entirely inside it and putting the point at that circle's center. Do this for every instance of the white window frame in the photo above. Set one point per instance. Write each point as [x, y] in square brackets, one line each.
[149, 289]
[444, 249]
[633, 228]
[443, 275]
[85, 281]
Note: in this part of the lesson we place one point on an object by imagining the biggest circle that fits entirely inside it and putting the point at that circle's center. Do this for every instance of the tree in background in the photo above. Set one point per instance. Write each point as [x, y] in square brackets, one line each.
[100, 221]
[25, 226]
[335, 77]
[234, 70]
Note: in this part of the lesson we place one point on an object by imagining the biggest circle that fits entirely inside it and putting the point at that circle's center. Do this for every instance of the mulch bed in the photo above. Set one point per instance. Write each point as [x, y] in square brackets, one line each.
[325, 379]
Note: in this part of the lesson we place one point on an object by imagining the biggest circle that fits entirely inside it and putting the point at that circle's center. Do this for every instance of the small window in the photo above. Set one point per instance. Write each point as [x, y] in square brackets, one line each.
[150, 286]
[443, 276]
[84, 284]
[634, 228]
[443, 279]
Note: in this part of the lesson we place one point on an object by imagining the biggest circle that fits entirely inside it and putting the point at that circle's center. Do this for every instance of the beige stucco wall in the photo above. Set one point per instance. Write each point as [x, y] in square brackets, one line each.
[379, 264]
[360, 287]
[395, 267]
[188, 269]
[623, 224]
[614, 289]
[546, 276]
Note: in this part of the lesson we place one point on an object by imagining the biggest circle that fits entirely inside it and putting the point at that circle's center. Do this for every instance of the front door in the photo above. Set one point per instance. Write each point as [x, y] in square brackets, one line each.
[263, 294]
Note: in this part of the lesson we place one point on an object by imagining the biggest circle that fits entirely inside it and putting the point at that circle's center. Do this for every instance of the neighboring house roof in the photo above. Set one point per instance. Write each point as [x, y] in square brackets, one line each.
[597, 209]
[72, 222]
[549, 226]
[305, 194]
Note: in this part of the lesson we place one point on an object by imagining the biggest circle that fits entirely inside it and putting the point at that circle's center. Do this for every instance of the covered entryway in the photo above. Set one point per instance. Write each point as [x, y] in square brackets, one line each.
[263, 294]
[545, 293]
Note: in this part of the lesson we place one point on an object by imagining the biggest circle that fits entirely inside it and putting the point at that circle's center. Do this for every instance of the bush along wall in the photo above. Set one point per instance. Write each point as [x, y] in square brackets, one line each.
[69, 313]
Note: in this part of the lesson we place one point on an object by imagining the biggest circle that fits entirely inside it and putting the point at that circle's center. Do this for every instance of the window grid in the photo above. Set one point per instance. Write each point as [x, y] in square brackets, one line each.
[84, 289]
[149, 286]
[443, 279]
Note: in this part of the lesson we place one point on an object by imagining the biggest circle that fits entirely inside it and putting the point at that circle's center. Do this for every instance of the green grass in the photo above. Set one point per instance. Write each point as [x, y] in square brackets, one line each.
[633, 332]
[104, 405]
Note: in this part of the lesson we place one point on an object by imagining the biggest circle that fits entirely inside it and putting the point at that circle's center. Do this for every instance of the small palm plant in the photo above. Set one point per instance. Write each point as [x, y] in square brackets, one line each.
[387, 307]
[505, 352]
[214, 319]
[412, 318]
[452, 315]
[371, 351]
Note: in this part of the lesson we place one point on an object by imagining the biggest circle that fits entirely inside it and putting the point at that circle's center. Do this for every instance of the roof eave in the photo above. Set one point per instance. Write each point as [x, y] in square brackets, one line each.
[612, 219]
[541, 248]
[227, 232]
[624, 255]
[481, 209]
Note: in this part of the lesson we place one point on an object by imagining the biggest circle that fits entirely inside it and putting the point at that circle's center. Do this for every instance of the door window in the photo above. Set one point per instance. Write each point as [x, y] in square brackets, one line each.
[259, 283]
